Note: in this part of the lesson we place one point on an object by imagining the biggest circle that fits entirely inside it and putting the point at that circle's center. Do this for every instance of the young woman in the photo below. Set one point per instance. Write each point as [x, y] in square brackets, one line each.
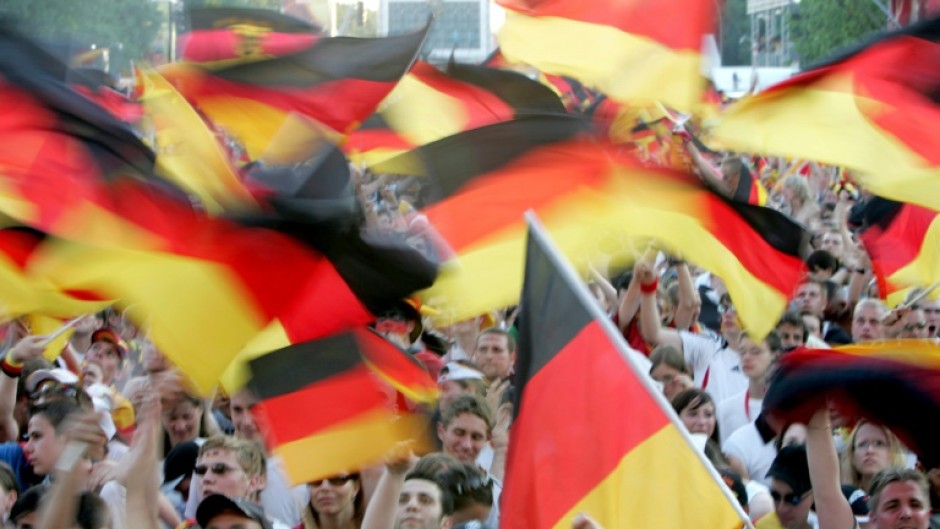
[869, 449]
[668, 367]
[335, 503]
[696, 409]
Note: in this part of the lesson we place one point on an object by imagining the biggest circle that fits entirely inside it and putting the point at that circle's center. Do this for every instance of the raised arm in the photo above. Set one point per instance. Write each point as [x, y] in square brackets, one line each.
[689, 300]
[650, 322]
[383, 507]
[831, 506]
[26, 349]
[143, 495]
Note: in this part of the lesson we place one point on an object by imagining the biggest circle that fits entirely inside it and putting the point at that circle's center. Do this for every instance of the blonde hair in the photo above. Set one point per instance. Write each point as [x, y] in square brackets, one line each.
[850, 475]
[249, 454]
[798, 184]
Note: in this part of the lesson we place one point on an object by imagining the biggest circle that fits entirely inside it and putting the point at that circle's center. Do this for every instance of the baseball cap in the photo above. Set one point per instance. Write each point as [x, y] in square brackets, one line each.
[179, 463]
[791, 467]
[107, 334]
[456, 371]
[62, 376]
[216, 504]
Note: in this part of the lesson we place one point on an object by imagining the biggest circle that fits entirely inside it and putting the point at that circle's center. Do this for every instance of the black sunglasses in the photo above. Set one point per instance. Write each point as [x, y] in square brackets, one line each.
[791, 499]
[219, 469]
[336, 481]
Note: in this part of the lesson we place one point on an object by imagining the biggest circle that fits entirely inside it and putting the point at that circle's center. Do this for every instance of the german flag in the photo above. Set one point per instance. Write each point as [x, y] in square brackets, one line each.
[895, 383]
[577, 386]
[374, 142]
[873, 110]
[518, 91]
[397, 367]
[56, 146]
[591, 196]
[903, 242]
[634, 50]
[232, 33]
[337, 82]
[348, 420]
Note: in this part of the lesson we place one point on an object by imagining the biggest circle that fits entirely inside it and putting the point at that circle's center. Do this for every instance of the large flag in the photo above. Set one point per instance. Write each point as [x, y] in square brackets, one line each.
[903, 241]
[592, 197]
[590, 422]
[632, 50]
[234, 33]
[337, 82]
[873, 110]
[895, 383]
[324, 411]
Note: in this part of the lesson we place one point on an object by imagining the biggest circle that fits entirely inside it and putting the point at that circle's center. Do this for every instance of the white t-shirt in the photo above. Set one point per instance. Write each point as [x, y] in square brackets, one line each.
[735, 412]
[747, 445]
[715, 367]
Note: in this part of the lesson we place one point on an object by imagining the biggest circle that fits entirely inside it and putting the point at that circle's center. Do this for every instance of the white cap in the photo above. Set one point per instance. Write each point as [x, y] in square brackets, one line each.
[456, 371]
[62, 376]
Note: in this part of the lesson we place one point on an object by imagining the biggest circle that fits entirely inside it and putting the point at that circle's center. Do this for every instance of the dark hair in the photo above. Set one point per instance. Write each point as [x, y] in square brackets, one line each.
[510, 341]
[822, 260]
[93, 512]
[794, 319]
[435, 464]
[468, 485]
[773, 341]
[56, 412]
[447, 498]
[28, 502]
[473, 404]
[359, 510]
[695, 398]
[670, 356]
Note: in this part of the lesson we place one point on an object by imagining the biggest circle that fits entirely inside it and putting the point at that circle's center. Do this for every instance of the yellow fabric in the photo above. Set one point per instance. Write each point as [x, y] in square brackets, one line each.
[237, 373]
[919, 353]
[626, 67]
[825, 123]
[251, 123]
[660, 483]
[188, 153]
[122, 413]
[769, 521]
[924, 270]
[421, 114]
[201, 338]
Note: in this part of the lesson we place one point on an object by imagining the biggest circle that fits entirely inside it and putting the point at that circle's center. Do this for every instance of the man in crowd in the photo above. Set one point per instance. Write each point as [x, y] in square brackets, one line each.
[495, 354]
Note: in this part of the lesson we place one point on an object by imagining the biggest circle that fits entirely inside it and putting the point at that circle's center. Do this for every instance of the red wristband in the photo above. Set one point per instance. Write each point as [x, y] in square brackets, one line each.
[649, 288]
[9, 369]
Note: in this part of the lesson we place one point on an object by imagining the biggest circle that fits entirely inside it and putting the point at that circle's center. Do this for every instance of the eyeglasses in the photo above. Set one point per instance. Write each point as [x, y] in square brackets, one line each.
[791, 499]
[219, 469]
[336, 481]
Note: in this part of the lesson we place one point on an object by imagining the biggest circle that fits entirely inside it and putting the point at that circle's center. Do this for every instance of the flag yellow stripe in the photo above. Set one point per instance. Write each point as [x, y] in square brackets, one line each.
[421, 114]
[921, 353]
[626, 67]
[660, 483]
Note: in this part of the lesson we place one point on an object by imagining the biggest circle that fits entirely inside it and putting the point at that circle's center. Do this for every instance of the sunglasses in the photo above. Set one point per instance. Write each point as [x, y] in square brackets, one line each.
[791, 499]
[336, 481]
[219, 469]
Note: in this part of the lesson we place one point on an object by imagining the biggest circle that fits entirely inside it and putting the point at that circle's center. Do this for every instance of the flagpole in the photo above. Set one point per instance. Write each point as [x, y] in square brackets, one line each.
[537, 230]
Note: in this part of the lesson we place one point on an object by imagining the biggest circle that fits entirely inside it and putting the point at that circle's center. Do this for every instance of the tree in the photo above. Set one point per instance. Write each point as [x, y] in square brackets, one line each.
[820, 27]
[735, 34]
[126, 27]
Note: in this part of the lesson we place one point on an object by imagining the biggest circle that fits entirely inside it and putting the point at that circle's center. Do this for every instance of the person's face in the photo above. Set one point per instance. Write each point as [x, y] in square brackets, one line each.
[867, 324]
[699, 419]
[915, 325]
[43, 446]
[91, 374]
[755, 358]
[245, 426]
[901, 505]
[106, 355]
[832, 243]
[419, 506]
[492, 356]
[791, 516]
[932, 313]
[181, 422]
[28, 521]
[809, 297]
[668, 377]
[871, 450]
[464, 437]
[231, 520]
[450, 391]
[790, 335]
[224, 475]
[729, 319]
[333, 495]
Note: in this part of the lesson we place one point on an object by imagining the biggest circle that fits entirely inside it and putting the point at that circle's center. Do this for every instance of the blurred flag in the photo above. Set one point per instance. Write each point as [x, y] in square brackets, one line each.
[873, 110]
[236, 33]
[348, 419]
[574, 383]
[895, 383]
[633, 51]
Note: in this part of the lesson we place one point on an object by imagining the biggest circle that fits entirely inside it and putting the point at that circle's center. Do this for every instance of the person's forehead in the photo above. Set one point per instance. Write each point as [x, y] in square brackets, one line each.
[901, 490]
[493, 339]
[218, 455]
[468, 421]
[422, 486]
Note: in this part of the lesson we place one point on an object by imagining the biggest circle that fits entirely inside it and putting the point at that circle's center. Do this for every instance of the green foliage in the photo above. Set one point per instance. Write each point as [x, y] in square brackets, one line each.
[821, 27]
[126, 27]
[735, 34]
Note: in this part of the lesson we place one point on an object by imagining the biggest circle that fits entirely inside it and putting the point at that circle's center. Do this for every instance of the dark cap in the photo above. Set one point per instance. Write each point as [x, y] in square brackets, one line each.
[858, 500]
[216, 504]
[179, 463]
[107, 334]
[791, 467]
